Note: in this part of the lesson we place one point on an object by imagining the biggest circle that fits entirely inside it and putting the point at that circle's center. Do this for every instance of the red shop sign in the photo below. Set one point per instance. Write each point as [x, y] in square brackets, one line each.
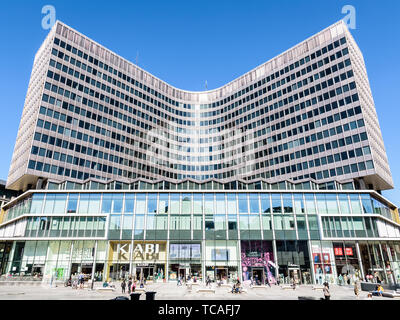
[349, 251]
[338, 251]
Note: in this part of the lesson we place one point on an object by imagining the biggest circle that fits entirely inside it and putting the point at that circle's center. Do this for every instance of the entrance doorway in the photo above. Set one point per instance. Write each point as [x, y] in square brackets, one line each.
[87, 270]
[294, 275]
[258, 276]
[144, 273]
[75, 269]
[182, 273]
[221, 273]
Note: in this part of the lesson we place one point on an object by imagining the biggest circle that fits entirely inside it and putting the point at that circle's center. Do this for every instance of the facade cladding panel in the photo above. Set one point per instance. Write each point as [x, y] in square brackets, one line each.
[307, 114]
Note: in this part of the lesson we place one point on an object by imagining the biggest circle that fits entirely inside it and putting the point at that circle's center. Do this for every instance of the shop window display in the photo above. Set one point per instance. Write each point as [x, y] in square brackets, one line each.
[294, 261]
[257, 262]
[346, 260]
[324, 262]
[222, 260]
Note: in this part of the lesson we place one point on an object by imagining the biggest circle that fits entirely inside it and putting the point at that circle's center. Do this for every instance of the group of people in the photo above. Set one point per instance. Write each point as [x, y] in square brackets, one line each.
[76, 281]
[357, 290]
[189, 280]
[237, 287]
[131, 284]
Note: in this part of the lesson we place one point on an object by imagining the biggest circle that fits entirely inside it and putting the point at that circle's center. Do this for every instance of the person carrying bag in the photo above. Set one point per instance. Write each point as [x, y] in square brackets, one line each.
[327, 294]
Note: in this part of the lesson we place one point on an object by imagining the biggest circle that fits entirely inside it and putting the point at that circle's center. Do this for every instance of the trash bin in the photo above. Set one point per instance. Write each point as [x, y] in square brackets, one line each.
[135, 296]
[150, 295]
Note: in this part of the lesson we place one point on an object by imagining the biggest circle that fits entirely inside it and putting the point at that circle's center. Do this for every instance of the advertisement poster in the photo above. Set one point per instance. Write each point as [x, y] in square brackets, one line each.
[196, 252]
[322, 261]
[174, 251]
[184, 251]
[220, 254]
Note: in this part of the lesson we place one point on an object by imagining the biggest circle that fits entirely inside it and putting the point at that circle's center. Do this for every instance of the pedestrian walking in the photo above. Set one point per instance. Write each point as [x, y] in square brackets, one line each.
[327, 294]
[208, 281]
[340, 279]
[133, 287]
[129, 285]
[123, 285]
[80, 280]
[357, 289]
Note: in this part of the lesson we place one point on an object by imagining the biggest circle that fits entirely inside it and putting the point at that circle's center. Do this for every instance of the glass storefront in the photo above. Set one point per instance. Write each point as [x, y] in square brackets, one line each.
[347, 263]
[271, 236]
[324, 262]
[222, 260]
[185, 261]
[257, 260]
[336, 262]
[293, 261]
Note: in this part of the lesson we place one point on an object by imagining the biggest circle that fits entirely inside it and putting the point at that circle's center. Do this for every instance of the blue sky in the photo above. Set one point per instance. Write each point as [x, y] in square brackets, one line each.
[188, 42]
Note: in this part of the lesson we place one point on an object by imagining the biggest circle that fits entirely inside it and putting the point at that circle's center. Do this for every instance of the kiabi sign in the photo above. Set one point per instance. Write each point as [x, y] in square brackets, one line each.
[148, 251]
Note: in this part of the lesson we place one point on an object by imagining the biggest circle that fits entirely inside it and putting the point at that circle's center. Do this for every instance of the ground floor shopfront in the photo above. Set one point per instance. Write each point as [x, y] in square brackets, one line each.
[263, 261]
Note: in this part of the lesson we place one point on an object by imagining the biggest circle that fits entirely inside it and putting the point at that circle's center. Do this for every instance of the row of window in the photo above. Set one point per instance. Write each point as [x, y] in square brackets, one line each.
[139, 123]
[157, 227]
[116, 114]
[65, 227]
[138, 154]
[269, 78]
[310, 90]
[339, 227]
[198, 203]
[92, 140]
[44, 138]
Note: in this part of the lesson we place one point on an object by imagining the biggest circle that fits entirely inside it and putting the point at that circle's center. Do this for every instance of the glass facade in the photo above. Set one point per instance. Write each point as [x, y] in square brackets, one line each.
[272, 237]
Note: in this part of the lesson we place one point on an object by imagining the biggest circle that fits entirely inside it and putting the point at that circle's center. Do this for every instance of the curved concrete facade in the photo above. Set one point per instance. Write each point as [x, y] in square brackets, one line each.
[307, 114]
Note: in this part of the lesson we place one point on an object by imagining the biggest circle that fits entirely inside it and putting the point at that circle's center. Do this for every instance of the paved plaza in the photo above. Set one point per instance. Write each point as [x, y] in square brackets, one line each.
[170, 291]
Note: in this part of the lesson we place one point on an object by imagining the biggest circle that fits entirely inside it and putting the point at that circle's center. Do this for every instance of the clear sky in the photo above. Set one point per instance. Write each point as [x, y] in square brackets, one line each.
[188, 42]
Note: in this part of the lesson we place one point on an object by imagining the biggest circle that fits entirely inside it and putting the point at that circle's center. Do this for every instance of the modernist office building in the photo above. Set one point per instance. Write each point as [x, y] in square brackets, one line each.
[276, 174]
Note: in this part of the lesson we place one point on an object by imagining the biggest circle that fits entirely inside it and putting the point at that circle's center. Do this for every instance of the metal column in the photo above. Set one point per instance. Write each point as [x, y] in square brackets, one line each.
[275, 260]
[360, 261]
[383, 263]
[94, 263]
[312, 260]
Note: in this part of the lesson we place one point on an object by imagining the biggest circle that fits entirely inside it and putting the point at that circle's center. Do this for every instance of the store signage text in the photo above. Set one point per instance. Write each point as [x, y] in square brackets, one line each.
[146, 251]
[339, 251]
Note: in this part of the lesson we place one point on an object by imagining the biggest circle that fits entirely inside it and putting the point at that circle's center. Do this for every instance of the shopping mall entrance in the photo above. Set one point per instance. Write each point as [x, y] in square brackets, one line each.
[87, 269]
[258, 275]
[294, 274]
[182, 273]
[145, 273]
[221, 273]
[294, 261]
